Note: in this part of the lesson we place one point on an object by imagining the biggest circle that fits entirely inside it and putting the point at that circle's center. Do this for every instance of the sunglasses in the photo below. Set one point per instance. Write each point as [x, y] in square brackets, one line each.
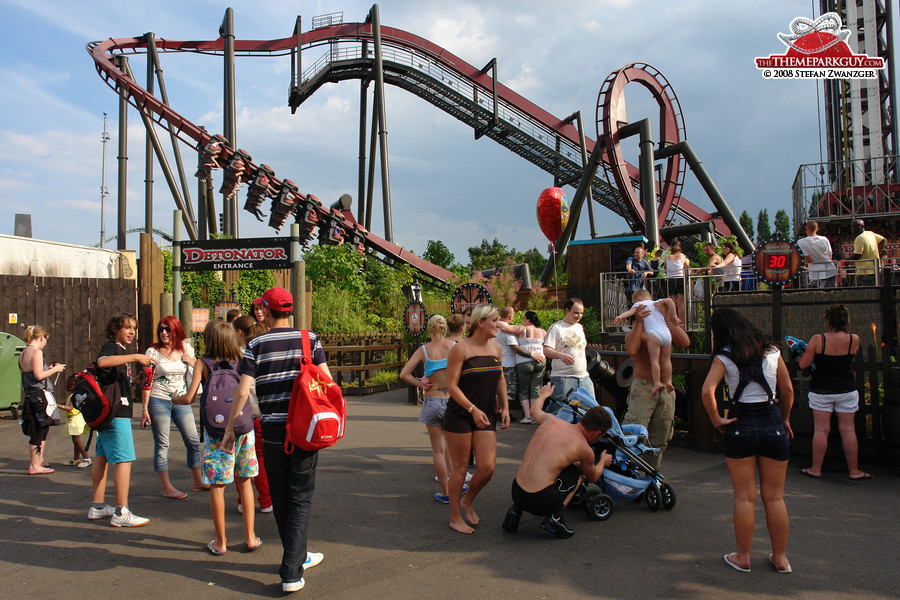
[162, 328]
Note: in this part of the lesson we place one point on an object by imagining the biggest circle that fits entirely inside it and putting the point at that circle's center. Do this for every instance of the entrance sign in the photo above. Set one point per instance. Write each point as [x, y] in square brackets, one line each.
[466, 297]
[235, 255]
[777, 261]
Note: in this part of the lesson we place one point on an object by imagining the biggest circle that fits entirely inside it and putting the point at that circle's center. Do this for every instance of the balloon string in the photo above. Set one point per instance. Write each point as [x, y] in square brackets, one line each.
[555, 279]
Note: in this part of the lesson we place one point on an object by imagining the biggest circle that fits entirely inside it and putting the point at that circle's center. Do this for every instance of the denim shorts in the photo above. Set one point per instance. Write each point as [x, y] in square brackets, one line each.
[758, 431]
[433, 408]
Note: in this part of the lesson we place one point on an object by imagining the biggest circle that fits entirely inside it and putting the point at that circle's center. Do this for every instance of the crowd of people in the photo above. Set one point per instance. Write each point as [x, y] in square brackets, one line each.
[468, 382]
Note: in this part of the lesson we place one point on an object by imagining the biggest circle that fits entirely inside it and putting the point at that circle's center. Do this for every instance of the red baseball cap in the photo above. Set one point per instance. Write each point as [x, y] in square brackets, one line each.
[258, 300]
[278, 298]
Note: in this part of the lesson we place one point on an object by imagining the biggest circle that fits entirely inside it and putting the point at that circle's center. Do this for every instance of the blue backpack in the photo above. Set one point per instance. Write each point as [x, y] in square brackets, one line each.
[219, 390]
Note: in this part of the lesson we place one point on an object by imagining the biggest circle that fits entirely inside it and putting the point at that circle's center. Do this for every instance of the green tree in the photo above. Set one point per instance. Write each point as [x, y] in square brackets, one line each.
[338, 267]
[436, 252]
[746, 222]
[488, 255]
[783, 225]
[763, 228]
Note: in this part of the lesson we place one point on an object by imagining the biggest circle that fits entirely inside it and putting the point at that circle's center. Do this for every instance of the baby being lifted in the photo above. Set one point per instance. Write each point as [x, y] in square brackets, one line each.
[656, 336]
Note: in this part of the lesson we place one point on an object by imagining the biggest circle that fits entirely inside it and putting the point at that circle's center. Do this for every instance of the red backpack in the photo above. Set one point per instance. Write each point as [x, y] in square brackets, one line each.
[317, 411]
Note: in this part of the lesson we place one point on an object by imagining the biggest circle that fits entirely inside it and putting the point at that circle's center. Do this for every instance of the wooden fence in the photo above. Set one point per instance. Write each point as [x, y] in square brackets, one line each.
[75, 311]
[356, 357]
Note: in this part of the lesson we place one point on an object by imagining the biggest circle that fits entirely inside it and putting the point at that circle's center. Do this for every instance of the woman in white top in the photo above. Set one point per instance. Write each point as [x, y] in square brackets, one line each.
[755, 437]
[731, 268]
[173, 357]
[677, 265]
[530, 363]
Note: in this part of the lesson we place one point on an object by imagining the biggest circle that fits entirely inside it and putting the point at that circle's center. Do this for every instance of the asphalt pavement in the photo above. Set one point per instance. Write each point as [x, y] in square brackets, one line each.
[384, 536]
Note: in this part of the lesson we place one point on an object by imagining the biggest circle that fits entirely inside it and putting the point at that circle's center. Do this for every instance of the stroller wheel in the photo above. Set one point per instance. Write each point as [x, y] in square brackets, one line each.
[668, 496]
[598, 506]
[651, 495]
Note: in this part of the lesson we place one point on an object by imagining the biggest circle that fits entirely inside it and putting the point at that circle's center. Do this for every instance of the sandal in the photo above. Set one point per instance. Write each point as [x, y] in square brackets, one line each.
[212, 549]
[258, 544]
[176, 496]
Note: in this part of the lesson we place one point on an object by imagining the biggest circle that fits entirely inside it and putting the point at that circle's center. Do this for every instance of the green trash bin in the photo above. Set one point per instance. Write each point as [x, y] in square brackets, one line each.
[11, 348]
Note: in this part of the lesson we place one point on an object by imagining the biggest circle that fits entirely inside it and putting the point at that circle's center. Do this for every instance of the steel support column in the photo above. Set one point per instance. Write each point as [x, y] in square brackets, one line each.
[576, 116]
[229, 128]
[584, 185]
[164, 165]
[648, 189]
[121, 243]
[382, 127]
[176, 149]
[148, 148]
[684, 148]
[361, 184]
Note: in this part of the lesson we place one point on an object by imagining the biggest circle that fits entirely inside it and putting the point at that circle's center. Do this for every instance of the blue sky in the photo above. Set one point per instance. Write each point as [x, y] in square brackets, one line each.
[750, 133]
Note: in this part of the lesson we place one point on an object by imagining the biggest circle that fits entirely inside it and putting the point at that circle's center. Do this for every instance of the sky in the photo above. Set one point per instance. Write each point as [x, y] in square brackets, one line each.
[752, 134]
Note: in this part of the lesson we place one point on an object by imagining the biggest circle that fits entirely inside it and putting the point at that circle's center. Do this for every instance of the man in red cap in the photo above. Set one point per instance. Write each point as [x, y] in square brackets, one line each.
[272, 361]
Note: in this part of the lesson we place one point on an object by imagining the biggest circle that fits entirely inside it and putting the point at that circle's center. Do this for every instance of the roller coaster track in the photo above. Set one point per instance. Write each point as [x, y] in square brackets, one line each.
[422, 68]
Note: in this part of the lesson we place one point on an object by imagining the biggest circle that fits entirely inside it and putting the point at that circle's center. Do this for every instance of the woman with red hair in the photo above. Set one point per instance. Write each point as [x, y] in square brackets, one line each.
[173, 358]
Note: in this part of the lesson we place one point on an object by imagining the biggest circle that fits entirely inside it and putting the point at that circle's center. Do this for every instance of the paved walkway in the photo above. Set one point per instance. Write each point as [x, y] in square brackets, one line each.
[384, 536]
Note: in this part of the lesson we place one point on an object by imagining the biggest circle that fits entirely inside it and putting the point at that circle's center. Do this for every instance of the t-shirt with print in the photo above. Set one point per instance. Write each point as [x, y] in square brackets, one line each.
[568, 339]
[273, 360]
[123, 375]
[169, 376]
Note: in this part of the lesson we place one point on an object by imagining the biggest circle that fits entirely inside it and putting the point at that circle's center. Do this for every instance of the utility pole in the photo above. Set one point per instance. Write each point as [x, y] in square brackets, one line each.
[103, 191]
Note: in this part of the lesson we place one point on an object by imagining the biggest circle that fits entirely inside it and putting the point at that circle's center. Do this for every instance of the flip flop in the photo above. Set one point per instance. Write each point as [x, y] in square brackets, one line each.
[176, 496]
[808, 474]
[787, 570]
[202, 489]
[733, 565]
[212, 549]
[252, 548]
[865, 476]
[42, 472]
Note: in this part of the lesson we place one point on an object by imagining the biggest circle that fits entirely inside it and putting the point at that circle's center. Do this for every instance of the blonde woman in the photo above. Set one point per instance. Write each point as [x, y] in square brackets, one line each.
[475, 383]
[433, 356]
[35, 382]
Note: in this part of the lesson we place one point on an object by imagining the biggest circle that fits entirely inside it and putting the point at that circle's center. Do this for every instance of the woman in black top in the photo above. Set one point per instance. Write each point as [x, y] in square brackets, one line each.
[36, 379]
[833, 388]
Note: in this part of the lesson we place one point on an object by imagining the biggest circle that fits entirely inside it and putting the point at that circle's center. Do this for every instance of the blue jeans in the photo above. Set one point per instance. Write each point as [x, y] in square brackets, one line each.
[162, 414]
[292, 481]
[561, 385]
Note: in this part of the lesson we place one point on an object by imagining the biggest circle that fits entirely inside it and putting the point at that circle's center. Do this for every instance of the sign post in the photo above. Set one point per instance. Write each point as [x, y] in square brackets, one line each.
[777, 262]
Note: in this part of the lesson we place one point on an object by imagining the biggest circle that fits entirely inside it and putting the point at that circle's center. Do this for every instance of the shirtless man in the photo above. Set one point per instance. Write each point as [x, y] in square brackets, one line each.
[656, 413]
[558, 456]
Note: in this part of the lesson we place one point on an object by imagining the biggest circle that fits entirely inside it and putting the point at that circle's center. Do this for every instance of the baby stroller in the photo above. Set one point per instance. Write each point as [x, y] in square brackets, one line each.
[629, 476]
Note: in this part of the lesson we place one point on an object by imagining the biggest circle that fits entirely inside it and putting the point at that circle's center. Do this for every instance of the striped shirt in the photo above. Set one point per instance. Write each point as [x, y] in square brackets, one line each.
[273, 360]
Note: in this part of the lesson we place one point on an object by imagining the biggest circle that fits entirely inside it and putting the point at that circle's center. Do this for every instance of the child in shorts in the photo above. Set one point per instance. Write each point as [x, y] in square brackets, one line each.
[74, 427]
[656, 336]
[115, 444]
[220, 467]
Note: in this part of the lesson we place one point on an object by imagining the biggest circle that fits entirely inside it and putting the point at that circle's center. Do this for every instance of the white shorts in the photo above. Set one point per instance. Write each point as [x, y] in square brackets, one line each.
[845, 402]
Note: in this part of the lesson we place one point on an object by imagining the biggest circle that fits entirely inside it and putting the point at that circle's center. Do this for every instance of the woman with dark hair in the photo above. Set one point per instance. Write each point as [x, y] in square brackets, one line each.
[731, 268]
[35, 383]
[832, 388]
[755, 437]
[173, 358]
[530, 363]
[476, 385]
[677, 265]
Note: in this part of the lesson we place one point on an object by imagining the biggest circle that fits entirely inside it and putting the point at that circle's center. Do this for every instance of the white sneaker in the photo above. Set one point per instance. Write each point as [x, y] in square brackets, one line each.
[241, 508]
[292, 586]
[128, 519]
[267, 509]
[312, 559]
[101, 513]
[527, 421]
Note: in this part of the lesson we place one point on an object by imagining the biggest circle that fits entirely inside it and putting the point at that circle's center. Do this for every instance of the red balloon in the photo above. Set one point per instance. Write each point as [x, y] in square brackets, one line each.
[552, 212]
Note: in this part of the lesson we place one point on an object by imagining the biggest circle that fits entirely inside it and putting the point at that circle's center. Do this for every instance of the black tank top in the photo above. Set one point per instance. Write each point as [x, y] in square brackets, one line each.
[478, 381]
[833, 373]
